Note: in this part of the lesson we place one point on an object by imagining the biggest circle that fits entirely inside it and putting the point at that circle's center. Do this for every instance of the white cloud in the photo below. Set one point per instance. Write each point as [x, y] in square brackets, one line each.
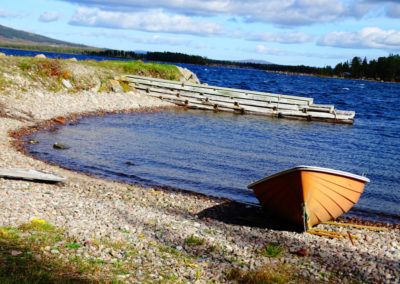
[154, 39]
[278, 12]
[150, 21]
[8, 14]
[370, 37]
[294, 37]
[270, 51]
[50, 16]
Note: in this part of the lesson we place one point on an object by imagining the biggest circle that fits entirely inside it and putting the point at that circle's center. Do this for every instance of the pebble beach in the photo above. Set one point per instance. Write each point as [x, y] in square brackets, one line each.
[175, 235]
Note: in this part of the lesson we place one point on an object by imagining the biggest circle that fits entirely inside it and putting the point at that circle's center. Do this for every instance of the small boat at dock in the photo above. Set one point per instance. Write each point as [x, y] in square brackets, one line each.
[305, 196]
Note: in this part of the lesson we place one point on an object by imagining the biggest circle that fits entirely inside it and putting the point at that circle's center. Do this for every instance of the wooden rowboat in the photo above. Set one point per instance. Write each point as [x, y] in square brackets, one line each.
[306, 196]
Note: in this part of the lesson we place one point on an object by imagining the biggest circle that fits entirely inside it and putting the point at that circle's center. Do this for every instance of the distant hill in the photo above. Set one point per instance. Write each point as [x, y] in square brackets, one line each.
[13, 36]
[255, 61]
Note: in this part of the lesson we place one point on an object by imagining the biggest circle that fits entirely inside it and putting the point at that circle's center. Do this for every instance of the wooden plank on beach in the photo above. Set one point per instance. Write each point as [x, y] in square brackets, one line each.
[29, 174]
[204, 97]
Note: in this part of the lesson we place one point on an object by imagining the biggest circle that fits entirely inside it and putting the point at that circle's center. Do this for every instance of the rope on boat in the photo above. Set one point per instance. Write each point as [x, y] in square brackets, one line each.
[330, 234]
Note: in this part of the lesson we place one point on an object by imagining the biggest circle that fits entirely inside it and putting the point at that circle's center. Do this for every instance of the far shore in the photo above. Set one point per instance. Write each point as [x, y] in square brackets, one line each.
[120, 232]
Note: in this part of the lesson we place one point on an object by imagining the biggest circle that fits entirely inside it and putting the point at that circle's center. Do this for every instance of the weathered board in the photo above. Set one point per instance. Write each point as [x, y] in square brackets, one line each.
[28, 174]
[206, 97]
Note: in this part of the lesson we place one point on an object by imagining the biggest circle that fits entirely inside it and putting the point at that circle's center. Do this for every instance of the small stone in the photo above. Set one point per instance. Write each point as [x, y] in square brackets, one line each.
[72, 59]
[66, 83]
[323, 254]
[60, 146]
[33, 141]
[179, 248]
[16, 252]
[60, 120]
[302, 252]
[47, 248]
[40, 56]
[54, 251]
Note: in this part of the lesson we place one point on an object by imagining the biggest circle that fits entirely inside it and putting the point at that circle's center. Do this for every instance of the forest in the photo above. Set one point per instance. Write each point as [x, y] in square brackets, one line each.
[382, 69]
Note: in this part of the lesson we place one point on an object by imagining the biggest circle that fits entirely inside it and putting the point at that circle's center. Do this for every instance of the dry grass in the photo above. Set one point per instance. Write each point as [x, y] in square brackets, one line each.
[278, 274]
[27, 73]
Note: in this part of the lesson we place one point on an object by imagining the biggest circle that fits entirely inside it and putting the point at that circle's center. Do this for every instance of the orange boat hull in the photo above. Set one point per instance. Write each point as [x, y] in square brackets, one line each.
[306, 196]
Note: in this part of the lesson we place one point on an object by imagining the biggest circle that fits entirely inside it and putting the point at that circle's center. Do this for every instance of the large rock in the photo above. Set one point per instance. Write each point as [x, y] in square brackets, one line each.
[2, 54]
[40, 56]
[188, 76]
[116, 87]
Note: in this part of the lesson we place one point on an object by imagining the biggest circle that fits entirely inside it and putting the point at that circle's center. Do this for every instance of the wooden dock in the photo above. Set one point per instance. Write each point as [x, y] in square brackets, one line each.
[204, 97]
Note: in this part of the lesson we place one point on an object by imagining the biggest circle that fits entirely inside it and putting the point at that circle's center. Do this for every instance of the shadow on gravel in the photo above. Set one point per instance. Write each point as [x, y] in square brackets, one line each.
[236, 213]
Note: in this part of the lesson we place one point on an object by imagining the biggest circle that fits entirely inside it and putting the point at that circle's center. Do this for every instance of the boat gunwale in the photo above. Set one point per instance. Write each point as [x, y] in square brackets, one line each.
[311, 169]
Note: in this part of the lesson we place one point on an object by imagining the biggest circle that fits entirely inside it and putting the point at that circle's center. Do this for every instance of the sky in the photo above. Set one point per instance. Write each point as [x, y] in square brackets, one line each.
[289, 32]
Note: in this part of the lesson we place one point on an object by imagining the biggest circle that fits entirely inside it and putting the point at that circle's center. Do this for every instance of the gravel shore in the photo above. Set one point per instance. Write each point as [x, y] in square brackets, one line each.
[193, 237]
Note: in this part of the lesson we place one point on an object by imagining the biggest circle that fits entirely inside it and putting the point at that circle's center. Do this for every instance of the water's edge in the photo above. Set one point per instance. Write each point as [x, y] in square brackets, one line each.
[76, 119]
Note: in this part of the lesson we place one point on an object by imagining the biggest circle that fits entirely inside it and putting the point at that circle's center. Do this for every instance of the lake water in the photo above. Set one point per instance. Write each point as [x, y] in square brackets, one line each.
[219, 154]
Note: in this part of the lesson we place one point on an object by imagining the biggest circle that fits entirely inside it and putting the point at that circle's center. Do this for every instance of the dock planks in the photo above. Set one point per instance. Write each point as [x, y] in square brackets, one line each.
[204, 97]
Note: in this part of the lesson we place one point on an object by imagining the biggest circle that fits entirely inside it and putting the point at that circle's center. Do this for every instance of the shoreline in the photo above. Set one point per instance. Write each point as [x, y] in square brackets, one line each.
[359, 216]
[158, 225]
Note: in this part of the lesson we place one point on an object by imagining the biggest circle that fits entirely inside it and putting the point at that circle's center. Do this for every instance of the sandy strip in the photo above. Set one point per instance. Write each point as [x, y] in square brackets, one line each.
[147, 219]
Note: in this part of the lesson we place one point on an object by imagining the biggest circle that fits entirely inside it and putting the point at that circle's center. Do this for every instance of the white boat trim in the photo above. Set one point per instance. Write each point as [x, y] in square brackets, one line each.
[312, 169]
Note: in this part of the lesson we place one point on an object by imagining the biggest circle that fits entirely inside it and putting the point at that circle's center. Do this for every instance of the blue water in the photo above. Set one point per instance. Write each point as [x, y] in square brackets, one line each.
[219, 154]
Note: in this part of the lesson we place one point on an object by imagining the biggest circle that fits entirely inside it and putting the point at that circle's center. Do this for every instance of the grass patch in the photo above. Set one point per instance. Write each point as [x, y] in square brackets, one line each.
[83, 75]
[72, 246]
[163, 71]
[211, 232]
[37, 225]
[8, 233]
[28, 254]
[272, 250]
[192, 240]
[170, 250]
[18, 264]
[279, 274]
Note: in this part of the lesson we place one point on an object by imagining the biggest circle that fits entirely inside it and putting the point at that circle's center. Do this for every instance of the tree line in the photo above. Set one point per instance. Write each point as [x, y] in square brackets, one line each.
[382, 69]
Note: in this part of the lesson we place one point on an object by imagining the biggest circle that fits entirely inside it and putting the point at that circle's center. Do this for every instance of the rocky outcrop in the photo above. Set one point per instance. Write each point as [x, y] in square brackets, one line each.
[188, 76]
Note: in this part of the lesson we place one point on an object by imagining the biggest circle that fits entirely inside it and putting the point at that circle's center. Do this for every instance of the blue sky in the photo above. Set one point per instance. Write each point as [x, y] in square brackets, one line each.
[292, 32]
